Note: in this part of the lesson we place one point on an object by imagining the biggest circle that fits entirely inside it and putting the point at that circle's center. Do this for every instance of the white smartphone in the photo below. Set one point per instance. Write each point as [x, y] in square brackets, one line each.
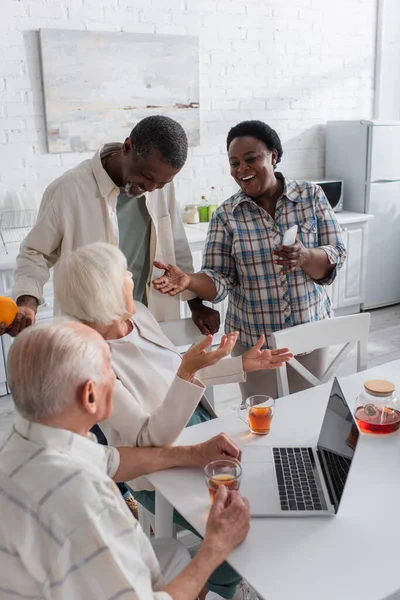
[290, 236]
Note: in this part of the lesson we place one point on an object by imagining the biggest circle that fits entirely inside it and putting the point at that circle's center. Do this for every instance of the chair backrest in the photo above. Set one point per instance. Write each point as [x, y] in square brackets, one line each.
[182, 333]
[349, 330]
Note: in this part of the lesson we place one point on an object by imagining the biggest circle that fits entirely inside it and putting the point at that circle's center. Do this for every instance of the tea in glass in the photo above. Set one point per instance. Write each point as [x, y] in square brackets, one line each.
[259, 412]
[222, 472]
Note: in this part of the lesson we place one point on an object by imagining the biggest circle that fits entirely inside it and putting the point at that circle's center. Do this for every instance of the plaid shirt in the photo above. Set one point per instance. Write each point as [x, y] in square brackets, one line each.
[238, 258]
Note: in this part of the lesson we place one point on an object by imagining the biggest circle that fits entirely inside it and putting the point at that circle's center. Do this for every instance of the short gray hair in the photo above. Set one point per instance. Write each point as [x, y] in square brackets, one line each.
[48, 363]
[88, 283]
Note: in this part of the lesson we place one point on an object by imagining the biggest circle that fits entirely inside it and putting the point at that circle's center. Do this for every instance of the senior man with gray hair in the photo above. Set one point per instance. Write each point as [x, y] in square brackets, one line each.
[65, 531]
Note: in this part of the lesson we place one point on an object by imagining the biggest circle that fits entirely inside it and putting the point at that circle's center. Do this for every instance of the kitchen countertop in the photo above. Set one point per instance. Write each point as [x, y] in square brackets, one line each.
[346, 217]
[198, 232]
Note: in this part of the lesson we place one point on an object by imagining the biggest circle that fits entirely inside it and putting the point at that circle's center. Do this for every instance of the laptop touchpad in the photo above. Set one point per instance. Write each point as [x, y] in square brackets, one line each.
[259, 484]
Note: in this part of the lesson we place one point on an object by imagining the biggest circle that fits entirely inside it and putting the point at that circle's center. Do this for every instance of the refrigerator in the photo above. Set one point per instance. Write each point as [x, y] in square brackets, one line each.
[366, 156]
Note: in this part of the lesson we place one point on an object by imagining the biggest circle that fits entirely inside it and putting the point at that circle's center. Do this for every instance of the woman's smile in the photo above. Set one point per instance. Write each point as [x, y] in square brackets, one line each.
[246, 181]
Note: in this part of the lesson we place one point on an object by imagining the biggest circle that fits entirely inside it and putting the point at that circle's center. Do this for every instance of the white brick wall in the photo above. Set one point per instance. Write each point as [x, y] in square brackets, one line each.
[387, 106]
[292, 63]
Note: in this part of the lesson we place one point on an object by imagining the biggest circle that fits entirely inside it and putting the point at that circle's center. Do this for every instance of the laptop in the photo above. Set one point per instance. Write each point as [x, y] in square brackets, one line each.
[303, 482]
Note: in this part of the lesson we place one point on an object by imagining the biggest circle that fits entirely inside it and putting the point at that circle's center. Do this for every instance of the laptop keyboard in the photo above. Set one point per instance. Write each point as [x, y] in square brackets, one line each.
[338, 468]
[298, 481]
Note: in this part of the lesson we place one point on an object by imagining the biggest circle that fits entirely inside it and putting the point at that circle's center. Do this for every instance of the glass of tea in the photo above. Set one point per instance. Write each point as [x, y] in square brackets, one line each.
[222, 472]
[259, 412]
[377, 408]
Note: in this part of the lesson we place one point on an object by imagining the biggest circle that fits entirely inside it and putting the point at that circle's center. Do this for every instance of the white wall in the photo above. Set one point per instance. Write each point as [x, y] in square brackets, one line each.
[387, 101]
[294, 64]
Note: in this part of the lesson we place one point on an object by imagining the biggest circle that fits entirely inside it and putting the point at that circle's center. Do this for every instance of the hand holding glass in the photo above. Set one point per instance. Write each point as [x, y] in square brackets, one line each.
[222, 472]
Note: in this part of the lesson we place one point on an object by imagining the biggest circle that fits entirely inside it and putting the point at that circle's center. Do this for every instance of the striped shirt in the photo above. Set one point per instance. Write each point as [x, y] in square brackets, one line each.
[65, 531]
[238, 258]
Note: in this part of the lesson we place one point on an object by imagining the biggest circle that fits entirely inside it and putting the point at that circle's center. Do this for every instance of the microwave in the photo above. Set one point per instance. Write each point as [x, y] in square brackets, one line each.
[333, 190]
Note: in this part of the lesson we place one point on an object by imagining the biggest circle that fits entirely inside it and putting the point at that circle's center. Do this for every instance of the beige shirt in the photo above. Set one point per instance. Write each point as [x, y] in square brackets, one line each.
[150, 408]
[65, 530]
[79, 208]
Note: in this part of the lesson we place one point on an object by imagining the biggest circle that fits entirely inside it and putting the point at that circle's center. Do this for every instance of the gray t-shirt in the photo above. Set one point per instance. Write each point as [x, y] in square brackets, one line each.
[134, 224]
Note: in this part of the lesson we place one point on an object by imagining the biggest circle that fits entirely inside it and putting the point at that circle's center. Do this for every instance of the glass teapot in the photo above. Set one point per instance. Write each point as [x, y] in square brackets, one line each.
[377, 408]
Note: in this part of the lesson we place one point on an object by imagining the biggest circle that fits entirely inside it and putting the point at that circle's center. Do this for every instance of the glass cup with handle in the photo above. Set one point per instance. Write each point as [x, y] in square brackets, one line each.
[225, 472]
[259, 411]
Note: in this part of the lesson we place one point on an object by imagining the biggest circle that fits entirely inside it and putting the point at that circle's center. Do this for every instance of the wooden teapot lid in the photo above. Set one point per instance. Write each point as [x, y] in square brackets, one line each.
[379, 387]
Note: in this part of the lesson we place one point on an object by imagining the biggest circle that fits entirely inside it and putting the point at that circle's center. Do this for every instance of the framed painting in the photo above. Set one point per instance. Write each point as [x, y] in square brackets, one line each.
[97, 86]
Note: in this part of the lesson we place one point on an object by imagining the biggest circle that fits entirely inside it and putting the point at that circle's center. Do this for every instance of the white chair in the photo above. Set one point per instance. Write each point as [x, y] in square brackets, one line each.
[349, 330]
[161, 523]
[146, 519]
[182, 333]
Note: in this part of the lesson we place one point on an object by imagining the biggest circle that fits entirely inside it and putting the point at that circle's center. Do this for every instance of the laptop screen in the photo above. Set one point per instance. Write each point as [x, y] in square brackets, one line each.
[337, 443]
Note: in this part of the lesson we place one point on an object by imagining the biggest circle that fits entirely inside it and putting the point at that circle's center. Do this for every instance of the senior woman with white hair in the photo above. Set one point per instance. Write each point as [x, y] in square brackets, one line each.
[152, 402]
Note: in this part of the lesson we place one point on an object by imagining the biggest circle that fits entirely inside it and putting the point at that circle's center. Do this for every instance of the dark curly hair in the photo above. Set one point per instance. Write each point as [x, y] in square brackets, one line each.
[259, 130]
[164, 135]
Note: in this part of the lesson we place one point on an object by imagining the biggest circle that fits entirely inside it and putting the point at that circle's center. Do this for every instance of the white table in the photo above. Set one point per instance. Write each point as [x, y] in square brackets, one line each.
[354, 555]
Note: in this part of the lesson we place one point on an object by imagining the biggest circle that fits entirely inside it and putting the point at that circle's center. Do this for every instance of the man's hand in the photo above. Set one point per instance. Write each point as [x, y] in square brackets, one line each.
[136, 462]
[205, 318]
[228, 523]
[292, 257]
[256, 359]
[27, 307]
[227, 527]
[173, 282]
[197, 357]
[220, 446]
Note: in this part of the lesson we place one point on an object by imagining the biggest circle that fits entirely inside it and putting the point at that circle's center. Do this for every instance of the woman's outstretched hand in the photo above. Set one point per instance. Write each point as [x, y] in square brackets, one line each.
[256, 359]
[197, 357]
[173, 282]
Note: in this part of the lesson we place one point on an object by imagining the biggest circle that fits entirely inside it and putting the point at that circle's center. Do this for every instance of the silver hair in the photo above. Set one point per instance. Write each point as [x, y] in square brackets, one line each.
[89, 283]
[48, 363]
